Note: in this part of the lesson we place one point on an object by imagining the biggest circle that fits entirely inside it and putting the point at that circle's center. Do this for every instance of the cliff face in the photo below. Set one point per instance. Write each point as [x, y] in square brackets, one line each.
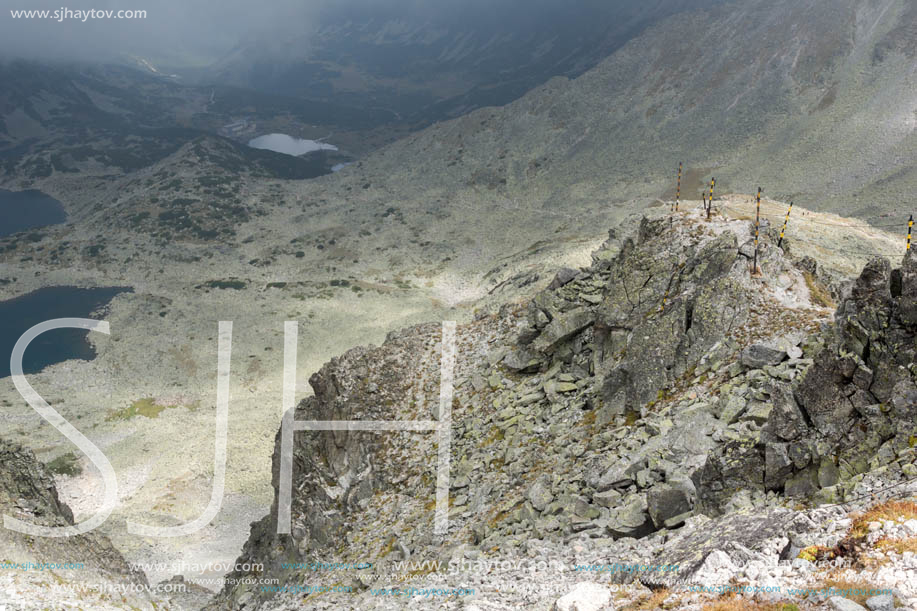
[663, 384]
[83, 571]
[852, 412]
[860, 396]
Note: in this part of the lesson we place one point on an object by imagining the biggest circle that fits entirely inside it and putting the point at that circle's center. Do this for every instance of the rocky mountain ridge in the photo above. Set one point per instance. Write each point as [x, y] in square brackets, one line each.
[812, 99]
[665, 404]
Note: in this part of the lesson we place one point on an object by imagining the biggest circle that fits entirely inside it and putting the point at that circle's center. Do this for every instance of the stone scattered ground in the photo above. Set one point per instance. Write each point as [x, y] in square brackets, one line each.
[662, 405]
[162, 348]
[467, 213]
[665, 405]
[77, 572]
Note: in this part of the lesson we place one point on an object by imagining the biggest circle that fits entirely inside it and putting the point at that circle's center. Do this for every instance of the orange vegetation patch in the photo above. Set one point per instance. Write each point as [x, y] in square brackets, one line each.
[854, 545]
[649, 603]
[738, 603]
[889, 510]
[898, 545]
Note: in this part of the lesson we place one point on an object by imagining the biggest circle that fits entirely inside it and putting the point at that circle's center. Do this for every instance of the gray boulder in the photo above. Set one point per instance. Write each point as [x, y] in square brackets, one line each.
[821, 396]
[839, 603]
[803, 484]
[564, 276]
[522, 361]
[631, 520]
[785, 420]
[561, 328]
[743, 536]
[883, 602]
[609, 498]
[873, 287]
[733, 407]
[778, 466]
[539, 494]
[757, 356]
[619, 475]
[584, 596]
[667, 501]
[736, 465]
[614, 394]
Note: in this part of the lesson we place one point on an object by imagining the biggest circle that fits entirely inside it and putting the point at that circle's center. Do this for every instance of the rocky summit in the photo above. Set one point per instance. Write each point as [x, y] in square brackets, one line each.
[734, 435]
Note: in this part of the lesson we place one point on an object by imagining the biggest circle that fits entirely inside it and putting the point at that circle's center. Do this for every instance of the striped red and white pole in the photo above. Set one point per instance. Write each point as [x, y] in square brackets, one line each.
[785, 220]
[754, 266]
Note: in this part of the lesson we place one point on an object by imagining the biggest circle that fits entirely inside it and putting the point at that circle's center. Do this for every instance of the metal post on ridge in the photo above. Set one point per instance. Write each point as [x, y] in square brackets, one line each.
[710, 199]
[785, 220]
[754, 265]
[678, 188]
[910, 223]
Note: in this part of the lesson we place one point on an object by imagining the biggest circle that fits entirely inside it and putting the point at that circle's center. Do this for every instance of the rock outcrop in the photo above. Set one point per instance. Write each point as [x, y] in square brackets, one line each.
[854, 410]
[664, 389]
[83, 571]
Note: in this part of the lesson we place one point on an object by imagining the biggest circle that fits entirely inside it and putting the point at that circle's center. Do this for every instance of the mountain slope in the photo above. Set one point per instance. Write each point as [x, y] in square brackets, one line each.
[468, 212]
[811, 100]
[665, 389]
[790, 96]
[430, 62]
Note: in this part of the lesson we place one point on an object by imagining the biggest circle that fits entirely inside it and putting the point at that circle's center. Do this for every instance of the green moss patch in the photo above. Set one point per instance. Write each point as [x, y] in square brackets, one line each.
[65, 464]
[145, 407]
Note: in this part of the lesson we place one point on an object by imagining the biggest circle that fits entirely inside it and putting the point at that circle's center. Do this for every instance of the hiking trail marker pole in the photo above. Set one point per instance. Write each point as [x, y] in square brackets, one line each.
[678, 188]
[710, 199]
[754, 265]
[780, 241]
[910, 223]
[704, 195]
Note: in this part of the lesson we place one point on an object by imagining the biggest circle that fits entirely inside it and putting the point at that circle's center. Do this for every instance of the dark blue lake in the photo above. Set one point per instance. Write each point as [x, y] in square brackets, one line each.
[20, 314]
[21, 210]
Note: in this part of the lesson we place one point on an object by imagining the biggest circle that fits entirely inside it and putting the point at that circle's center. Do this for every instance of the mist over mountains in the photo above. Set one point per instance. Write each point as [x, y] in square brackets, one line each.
[399, 62]
[808, 99]
[429, 61]
[463, 153]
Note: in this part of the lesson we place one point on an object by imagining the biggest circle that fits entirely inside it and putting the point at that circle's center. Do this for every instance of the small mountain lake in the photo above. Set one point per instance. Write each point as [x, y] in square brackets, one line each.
[288, 145]
[20, 314]
[21, 210]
